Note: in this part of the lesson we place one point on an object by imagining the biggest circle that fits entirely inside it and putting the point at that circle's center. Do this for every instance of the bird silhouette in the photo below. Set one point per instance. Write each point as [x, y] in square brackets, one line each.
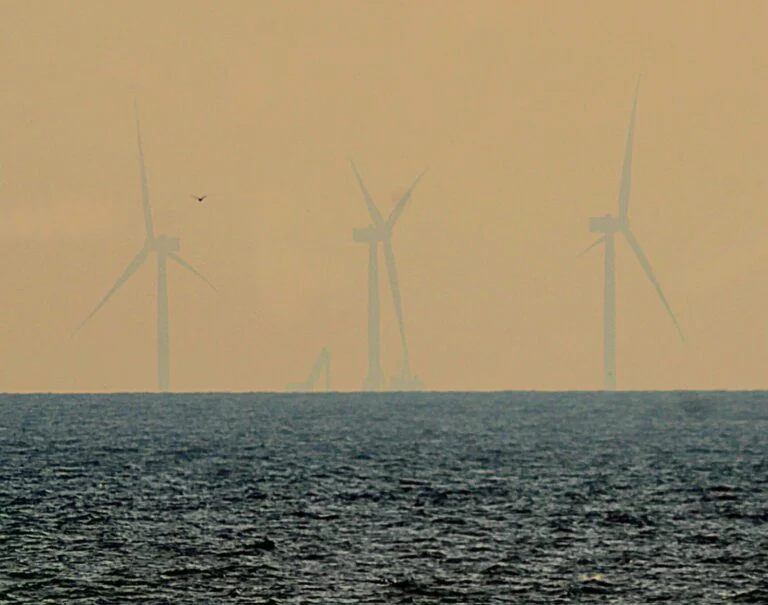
[199, 199]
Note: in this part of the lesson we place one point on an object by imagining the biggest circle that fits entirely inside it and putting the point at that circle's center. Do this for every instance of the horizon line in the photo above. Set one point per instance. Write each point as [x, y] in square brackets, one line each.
[421, 392]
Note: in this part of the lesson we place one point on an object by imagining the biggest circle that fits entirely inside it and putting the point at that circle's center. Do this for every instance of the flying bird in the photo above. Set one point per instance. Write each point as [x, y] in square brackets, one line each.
[199, 199]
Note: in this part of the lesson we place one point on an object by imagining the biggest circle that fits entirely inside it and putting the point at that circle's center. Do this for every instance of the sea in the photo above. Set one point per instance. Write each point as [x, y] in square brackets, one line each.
[509, 497]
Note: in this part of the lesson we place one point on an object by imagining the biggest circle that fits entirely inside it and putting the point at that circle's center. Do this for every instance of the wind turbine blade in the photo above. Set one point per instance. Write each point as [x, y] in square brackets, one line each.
[129, 271]
[599, 240]
[394, 286]
[400, 206]
[186, 265]
[144, 185]
[626, 171]
[378, 220]
[635, 245]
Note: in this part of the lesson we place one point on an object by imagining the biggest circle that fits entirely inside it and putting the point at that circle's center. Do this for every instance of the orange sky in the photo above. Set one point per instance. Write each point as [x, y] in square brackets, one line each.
[519, 108]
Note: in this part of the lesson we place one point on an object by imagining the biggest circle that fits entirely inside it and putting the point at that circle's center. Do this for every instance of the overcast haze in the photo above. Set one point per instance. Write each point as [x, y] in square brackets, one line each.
[520, 109]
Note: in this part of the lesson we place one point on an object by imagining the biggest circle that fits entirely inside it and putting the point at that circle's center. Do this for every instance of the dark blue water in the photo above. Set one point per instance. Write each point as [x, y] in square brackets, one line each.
[426, 498]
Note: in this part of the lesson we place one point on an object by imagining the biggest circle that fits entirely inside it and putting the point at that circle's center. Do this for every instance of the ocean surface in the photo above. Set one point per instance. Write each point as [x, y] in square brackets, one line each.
[384, 498]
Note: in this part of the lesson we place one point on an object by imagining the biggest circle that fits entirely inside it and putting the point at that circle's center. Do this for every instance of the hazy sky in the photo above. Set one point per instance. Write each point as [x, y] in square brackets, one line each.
[520, 108]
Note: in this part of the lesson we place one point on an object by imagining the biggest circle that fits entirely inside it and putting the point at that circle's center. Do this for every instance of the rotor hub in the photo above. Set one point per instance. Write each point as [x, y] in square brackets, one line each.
[367, 234]
[167, 244]
[605, 224]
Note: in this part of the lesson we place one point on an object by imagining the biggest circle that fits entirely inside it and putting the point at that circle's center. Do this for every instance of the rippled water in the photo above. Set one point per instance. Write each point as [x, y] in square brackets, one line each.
[417, 498]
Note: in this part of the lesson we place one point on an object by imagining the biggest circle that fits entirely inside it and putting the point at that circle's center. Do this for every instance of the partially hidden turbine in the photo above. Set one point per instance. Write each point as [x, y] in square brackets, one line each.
[165, 248]
[609, 226]
[322, 366]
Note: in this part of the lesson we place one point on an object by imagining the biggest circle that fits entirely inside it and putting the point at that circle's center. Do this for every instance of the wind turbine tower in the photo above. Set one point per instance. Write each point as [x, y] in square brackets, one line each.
[380, 232]
[165, 248]
[609, 226]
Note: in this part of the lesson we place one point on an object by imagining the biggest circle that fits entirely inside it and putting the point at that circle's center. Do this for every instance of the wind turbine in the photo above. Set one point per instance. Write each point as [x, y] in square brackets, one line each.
[380, 231]
[165, 248]
[321, 366]
[609, 226]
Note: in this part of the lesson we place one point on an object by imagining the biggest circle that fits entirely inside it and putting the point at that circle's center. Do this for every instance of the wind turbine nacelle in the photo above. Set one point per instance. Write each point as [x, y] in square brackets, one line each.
[366, 234]
[604, 224]
[167, 244]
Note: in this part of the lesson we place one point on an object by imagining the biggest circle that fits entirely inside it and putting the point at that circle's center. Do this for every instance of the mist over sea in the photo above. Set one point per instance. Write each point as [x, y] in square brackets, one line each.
[384, 498]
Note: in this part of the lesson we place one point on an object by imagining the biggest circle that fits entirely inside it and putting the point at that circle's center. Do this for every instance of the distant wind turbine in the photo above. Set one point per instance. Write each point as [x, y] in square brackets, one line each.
[381, 232]
[165, 247]
[609, 226]
[322, 366]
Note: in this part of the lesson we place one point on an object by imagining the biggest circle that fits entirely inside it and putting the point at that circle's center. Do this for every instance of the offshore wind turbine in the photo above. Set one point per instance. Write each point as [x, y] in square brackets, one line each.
[380, 232]
[321, 366]
[165, 248]
[610, 226]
